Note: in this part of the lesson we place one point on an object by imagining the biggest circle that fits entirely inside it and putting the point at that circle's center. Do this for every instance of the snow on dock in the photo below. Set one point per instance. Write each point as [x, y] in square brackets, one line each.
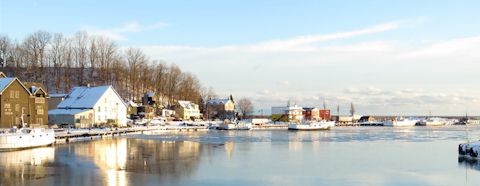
[67, 135]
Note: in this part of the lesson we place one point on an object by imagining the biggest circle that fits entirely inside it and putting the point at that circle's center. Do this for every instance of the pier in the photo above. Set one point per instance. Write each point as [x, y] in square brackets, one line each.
[66, 135]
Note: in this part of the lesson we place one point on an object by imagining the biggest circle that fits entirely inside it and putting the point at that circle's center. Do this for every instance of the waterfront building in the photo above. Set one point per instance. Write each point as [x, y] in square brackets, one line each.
[101, 105]
[311, 113]
[38, 104]
[367, 119]
[187, 110]
[221, 108]
[287, 114]
[325, 115]
[55, 99]
[19, 104]
[132, 109]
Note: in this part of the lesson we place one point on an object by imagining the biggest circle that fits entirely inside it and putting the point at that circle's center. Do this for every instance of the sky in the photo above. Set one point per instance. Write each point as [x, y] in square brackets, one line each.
[387, 57]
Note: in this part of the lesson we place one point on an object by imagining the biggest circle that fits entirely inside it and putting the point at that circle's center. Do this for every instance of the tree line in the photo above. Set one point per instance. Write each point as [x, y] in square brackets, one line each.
[61, 62]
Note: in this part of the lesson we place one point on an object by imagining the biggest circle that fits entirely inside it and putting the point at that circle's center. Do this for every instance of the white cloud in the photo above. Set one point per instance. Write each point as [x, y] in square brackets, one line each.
[118, 33]
[303, 43]
[385, 76]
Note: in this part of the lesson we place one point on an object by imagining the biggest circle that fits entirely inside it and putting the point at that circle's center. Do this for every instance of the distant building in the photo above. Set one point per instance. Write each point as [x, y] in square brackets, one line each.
[38, 103]
[102, 105]
[17, 103]
[287, 114]
[221, 108]
[187, 110]
[367, 119]
[311, 113]
[168, 113]
[325, 115]
[132, 109]
[54, 100]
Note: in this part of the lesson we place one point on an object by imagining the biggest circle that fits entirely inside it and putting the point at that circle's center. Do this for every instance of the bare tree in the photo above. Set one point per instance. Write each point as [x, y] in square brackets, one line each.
[61, 62]
[245, 106]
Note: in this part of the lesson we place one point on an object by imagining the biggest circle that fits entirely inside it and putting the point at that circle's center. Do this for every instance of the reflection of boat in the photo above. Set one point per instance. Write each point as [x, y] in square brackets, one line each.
[432, 122]
[402, 122]
[469, 162]
[14, 138]
[235, 126]
[317, 125]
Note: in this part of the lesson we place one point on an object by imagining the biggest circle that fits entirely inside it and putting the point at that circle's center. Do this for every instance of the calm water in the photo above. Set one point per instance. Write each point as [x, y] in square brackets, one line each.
[343, 156]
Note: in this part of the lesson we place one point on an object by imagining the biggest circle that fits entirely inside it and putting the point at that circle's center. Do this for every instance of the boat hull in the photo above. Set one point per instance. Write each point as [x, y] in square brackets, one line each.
[232, 126]
[410, 123]
[310, 127]
[35, 138]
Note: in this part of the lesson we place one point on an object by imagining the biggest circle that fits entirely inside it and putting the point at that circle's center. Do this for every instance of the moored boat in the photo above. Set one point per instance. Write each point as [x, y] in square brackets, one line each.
[432, 122]
[402, 122]
[235, 126]
[318, 125]
[21, 138]
[471, 150]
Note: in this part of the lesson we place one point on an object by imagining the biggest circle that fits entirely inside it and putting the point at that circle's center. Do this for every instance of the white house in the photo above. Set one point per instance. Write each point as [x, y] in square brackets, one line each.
[106, 105]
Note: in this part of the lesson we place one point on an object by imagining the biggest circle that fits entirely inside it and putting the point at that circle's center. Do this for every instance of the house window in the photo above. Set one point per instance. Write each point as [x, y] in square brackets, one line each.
[39, 120]
[6, 105]
[12, 94]
[39, 110]
[17, 108]
[17, 94]
[99, 110]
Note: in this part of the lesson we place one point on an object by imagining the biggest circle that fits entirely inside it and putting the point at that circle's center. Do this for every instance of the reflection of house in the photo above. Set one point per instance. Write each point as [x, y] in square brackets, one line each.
[221, 108]
[288, 113]
[187, 110]
[103, 101]
[16, 100]
[54, 100]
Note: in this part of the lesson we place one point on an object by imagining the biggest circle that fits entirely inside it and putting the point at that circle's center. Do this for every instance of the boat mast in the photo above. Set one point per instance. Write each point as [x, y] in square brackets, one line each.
[21, 118]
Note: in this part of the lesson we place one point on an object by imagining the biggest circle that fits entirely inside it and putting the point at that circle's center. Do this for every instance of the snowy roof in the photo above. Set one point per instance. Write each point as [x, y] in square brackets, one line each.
[133, 104]
[4, 82]
[217, 101]
[187, 104]
[67, 111]
[58, 95]
[150, 94]
[83, 97]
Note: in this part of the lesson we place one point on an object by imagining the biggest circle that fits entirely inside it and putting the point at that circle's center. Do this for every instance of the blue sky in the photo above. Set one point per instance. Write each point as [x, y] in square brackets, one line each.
[388, 57]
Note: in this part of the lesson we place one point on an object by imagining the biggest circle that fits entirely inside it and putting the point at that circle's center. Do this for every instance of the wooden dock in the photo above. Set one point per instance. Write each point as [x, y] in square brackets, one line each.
[65, 135]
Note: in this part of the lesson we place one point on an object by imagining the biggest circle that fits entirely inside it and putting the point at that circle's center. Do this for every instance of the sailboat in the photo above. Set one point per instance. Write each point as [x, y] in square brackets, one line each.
[24, 137]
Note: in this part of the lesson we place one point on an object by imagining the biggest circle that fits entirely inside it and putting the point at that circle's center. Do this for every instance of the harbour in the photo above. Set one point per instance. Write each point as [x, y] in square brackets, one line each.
[342, 156]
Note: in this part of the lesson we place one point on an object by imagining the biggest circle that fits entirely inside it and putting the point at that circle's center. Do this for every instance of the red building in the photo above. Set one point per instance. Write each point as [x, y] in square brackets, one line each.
[325, 115]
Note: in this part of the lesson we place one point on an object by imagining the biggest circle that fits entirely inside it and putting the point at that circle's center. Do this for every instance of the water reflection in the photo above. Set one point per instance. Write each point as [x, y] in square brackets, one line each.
[19, 166]
[103, 162]
[469, 163]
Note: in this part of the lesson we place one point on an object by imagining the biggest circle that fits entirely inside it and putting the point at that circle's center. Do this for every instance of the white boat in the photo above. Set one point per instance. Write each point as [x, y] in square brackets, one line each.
[235, 126]
[20, 138]
[401, 123]
[320, 125]
[432, 122]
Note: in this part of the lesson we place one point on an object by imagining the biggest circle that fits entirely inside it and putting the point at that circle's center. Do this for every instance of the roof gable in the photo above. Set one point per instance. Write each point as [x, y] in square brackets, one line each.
[6, 82]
